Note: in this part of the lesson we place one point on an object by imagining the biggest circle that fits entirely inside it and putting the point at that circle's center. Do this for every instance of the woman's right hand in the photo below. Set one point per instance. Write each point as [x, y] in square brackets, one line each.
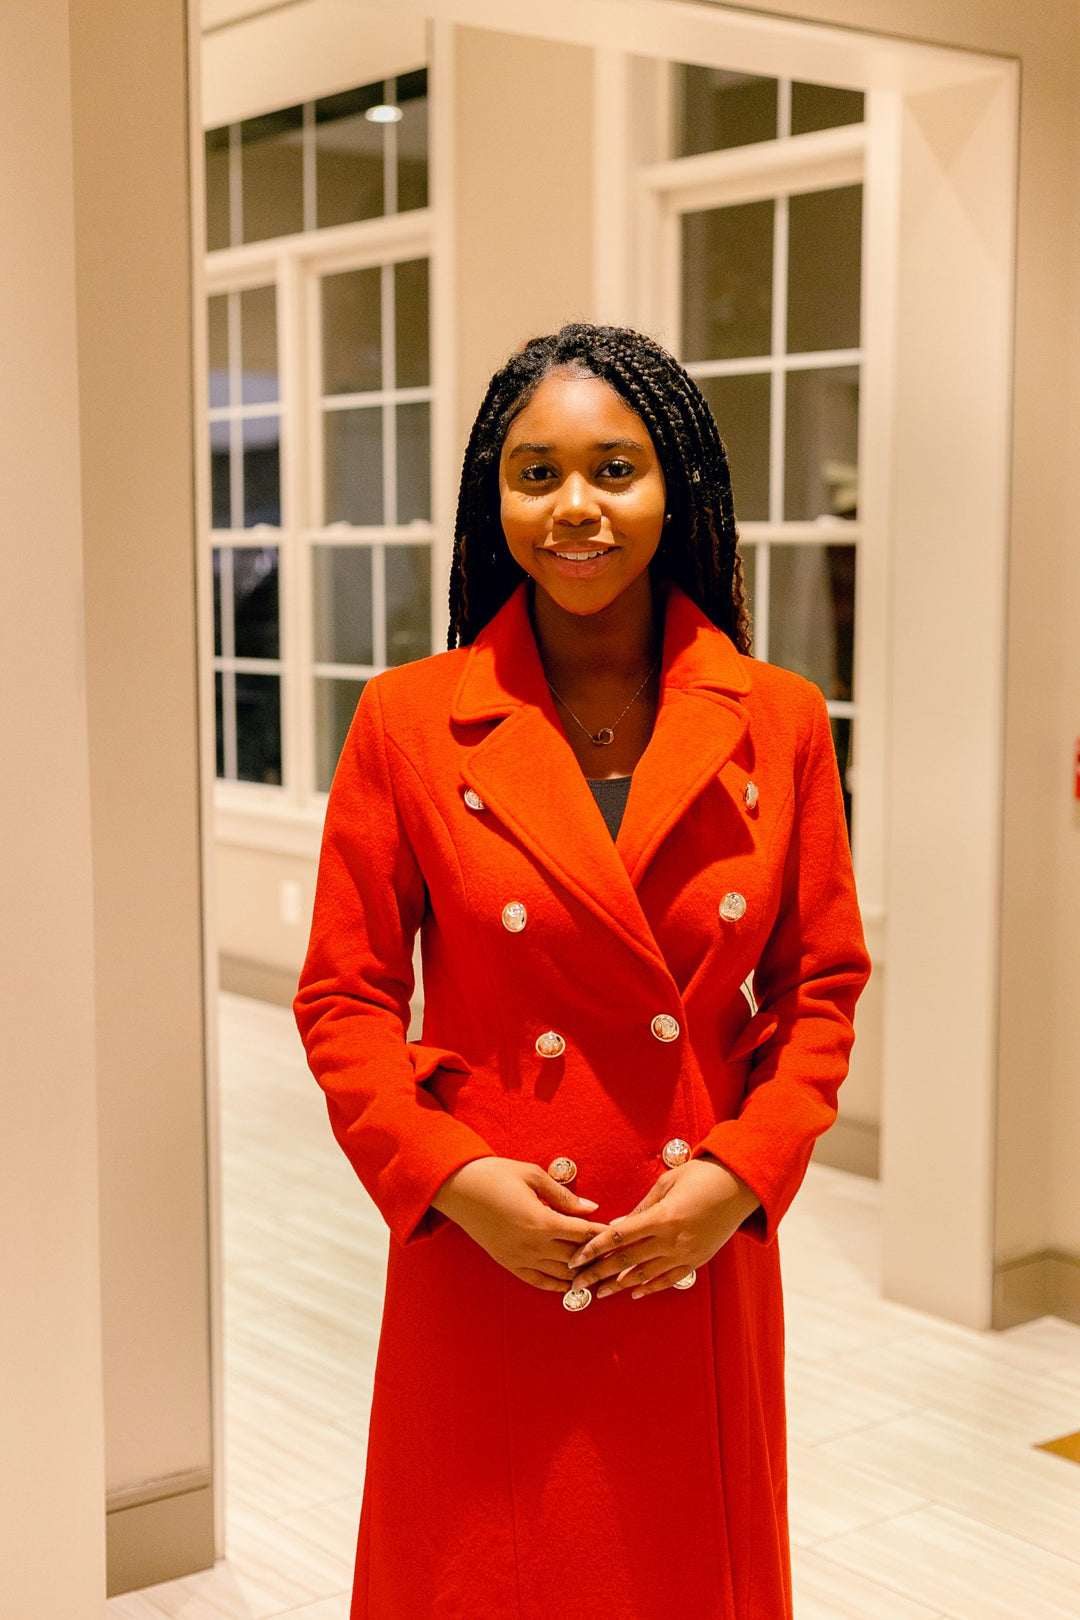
[503, 1205]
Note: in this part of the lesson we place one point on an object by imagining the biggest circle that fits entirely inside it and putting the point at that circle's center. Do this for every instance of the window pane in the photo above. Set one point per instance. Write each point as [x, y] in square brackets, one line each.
[821, 471]
[219, 725]
[217, 601]
[408, 603]
[348, 158]
[812, 613]
[341, 605]
[262, 471]
[825, 270]
[824, 106]
[353, 465]
[218, 322]
[841, 735]
[335, 705]
[258, 728]
[412, 141]
[273, 174]
[352, 332]
[413, 461]
[218, 234]
[412, 349]
[220, 498]
[258, 345]
[716, 109]
[255, 593]
[727, 265]
[742, 408]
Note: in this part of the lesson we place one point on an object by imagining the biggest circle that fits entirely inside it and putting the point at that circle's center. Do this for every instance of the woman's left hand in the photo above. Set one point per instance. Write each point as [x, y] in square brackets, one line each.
[688, 1215]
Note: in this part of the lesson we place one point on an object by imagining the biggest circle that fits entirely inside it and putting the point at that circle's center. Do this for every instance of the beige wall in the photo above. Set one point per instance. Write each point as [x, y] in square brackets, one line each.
[52, 1543]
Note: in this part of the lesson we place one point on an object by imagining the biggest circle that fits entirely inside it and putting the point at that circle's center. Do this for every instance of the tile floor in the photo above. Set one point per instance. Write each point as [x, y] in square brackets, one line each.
[916, 1492]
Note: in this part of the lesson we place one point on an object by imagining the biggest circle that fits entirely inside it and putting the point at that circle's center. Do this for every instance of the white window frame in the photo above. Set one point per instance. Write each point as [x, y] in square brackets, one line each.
[288, 818]
[779, 169]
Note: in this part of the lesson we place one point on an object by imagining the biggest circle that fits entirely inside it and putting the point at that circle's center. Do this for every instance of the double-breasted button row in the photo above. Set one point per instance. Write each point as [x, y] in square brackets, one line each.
[675, 1152]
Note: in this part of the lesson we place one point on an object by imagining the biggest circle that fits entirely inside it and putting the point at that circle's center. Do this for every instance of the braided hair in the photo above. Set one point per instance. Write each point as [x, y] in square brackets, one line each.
[698, 548]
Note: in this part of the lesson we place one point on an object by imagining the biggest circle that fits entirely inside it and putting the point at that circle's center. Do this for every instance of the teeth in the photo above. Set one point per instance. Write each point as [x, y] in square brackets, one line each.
[578, 556]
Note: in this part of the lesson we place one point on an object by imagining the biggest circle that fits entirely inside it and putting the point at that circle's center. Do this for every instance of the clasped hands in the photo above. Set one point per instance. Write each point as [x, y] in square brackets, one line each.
[538, 1229]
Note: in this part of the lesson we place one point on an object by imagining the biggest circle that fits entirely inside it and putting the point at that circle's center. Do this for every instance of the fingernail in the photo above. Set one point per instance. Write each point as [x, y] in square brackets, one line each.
[639, 1293]
[602, 1293]
[588, 1203]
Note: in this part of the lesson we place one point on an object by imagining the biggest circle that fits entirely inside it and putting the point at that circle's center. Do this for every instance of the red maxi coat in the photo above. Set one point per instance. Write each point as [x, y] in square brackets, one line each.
[626, 1462]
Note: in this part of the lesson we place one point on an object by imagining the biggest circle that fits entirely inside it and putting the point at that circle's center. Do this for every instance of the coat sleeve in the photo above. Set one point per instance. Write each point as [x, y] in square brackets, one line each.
[352, 1005]
[811, 972]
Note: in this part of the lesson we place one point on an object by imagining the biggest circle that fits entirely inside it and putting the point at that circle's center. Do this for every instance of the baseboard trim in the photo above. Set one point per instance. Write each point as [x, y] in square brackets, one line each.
[851, 1145]
[259, 980]
[1042, 1284]
[159, 1531]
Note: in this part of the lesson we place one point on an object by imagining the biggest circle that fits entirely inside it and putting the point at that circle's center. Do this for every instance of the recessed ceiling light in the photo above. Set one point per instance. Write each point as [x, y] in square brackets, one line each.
[384, 114]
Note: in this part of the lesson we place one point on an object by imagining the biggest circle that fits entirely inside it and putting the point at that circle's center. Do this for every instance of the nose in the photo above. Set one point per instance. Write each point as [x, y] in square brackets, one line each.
[576, 502]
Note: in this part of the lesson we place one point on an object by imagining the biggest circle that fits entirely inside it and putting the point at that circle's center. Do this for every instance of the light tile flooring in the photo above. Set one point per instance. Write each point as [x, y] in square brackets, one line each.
[916, 1491]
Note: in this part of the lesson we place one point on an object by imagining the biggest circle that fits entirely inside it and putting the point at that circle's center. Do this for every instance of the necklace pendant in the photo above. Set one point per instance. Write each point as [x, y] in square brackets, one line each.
[604, 736]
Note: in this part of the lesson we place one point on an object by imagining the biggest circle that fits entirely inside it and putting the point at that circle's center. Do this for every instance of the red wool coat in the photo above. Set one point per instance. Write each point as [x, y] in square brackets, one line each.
[626, 1462]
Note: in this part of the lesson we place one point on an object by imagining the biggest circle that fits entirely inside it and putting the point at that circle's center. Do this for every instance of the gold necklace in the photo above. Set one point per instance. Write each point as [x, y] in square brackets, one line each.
[606, 734]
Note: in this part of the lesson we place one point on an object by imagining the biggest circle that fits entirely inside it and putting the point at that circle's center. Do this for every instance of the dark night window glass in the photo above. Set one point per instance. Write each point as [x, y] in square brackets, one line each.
[812, 613]
[717, 109]
[335, 705]
[824, 106]
[413, 325]
[218, 234]
[218, 323]
[273, 174]
[342, 605]
[353, 465]
[727, 260]
[748, 553]
[258, 728]
[352, 331]
[742, 407]
[841, 734]
[258, 346]
[412, 141]
[822, 452]
[219, 723]
[255, 595]
[220, 499]
[217, 602]
[413, 461]
[408, 603]
[824, 270]
[262, 471]
[349, 163]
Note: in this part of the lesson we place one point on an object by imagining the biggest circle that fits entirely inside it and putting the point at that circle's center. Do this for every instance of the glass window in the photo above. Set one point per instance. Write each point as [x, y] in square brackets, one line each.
[335, 705]
[272, 167]
[727, 265]
[220, 479]
[412, 352]
[353, 464]
[255, 601]
[716, 109]
[262, 471]
[411, 140]
[258, 346]
[218, 323]
[342, 605]
[408, 603]
[824, 270]
[742, 407]
[352, 331]
[414, 462]
[258, 728]
[812, 613]
[218, 228]
[349, 162]
[824, 106]
[821, 467]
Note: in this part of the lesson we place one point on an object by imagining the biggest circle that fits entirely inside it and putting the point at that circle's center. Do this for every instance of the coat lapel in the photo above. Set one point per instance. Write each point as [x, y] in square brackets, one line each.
[526, 773]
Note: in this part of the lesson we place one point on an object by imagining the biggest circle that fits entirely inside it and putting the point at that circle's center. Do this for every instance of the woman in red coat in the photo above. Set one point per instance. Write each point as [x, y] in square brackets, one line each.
[622, 842]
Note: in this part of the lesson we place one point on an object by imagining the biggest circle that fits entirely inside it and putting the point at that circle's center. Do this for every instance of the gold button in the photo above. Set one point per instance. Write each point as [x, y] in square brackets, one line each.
[550, 1044]
[562, 1169]
[576, 1299]
[514, 916]
[675, 1152]
[751, 798]
[665, 1028]
[732, 907]
[473, 799]
[686, 1282]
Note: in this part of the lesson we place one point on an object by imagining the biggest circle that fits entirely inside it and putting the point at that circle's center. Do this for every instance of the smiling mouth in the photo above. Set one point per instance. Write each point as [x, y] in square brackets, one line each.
[580, 556]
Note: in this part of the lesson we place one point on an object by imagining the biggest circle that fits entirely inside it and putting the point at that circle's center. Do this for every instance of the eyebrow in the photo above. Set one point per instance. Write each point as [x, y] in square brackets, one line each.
[604, 444]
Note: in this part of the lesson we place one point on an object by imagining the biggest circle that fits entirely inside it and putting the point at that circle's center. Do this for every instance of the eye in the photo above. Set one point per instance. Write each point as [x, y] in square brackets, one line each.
[535, 474]
[619, 468]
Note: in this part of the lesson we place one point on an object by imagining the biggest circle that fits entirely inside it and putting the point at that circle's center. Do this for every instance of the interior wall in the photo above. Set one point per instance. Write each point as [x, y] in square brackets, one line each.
[133, 268]
[52, 1541]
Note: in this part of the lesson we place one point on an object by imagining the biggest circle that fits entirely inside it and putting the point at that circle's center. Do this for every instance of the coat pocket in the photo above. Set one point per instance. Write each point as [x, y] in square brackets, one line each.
[754, 1033]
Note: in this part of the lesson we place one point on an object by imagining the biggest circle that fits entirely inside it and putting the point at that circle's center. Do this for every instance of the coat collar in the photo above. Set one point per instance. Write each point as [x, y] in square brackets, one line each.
[526, 773]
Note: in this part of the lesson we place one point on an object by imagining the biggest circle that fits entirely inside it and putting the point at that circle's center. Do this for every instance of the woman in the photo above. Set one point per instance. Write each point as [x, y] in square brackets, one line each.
[623, 844]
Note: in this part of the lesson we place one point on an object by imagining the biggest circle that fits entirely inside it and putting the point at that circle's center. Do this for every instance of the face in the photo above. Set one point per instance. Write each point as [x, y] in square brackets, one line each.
[582, 493]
